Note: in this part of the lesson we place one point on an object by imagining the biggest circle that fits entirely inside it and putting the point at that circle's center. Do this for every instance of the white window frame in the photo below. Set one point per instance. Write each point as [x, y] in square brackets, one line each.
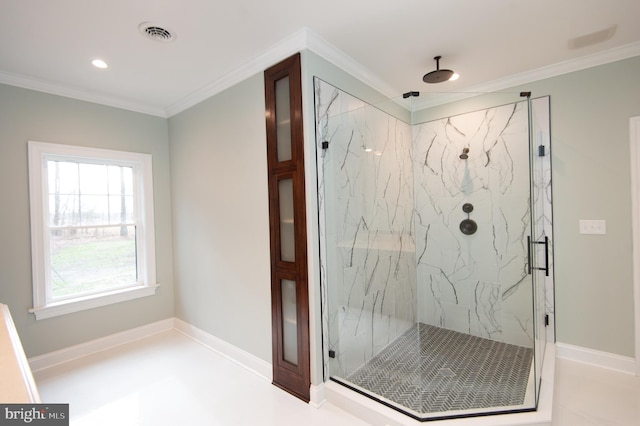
[39, 153]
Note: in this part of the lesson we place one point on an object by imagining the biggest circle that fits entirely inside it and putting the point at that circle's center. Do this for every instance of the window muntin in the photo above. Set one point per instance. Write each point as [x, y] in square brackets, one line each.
[92, 227]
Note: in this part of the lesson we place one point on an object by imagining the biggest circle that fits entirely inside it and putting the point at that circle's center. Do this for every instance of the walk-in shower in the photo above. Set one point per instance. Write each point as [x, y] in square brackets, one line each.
[435, 250]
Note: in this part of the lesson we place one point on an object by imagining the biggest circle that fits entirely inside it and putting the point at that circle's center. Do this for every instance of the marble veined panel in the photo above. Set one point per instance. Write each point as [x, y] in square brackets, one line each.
[476, 284]
[367, 209]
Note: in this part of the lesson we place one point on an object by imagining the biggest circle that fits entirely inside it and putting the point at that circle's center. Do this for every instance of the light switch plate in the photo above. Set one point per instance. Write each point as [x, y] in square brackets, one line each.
[598, 227]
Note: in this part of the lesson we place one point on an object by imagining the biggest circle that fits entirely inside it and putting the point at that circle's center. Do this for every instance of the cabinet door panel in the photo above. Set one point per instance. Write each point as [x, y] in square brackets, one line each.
[287, 221]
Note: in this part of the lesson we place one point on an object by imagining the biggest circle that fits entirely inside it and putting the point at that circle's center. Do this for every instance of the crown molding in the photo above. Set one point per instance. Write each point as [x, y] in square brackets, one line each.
[284, 48]
[583, 62]
[572, 65]
[51, 88]
[337, 57]
[303, 39]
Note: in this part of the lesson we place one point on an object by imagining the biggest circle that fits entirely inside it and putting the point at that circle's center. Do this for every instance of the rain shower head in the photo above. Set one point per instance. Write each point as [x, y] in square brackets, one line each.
[438, 76]
[465, 154]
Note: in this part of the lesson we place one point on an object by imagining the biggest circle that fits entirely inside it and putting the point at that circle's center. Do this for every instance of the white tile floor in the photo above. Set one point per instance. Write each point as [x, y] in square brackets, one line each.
[168, 379]
[590, 396]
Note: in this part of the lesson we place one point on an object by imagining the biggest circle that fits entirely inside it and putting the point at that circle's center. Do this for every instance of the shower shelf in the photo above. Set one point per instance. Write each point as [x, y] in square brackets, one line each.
[408, 246]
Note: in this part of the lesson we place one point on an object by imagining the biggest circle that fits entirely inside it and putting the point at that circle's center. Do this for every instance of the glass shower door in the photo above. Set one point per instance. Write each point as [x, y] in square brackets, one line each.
[541, 247]
[473, 216]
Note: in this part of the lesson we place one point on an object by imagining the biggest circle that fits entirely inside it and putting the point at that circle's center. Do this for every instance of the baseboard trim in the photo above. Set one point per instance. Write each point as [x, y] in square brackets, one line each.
[61, 356]
[317, 397]
[244, 359]
[596, 358]
[250, 362]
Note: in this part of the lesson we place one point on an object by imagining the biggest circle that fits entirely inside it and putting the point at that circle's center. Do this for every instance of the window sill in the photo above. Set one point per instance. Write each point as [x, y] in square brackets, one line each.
[93, 301]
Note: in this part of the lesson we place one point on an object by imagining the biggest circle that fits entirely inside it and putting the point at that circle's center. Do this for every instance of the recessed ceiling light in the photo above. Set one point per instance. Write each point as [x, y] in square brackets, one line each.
[99, 63]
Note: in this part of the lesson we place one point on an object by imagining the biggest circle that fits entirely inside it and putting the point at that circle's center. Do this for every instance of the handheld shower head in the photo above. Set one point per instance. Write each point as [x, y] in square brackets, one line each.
[465, 154]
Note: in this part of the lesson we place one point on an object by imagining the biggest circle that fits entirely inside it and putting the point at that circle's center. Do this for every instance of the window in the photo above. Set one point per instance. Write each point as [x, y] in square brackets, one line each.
[92, 233]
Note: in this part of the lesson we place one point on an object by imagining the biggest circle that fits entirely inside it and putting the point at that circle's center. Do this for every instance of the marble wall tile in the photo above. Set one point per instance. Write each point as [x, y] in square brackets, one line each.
[471, 280]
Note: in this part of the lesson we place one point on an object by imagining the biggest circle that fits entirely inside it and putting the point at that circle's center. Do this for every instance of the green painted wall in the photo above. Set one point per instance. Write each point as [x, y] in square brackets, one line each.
[591, 172]
[221, 217]
[28, 115]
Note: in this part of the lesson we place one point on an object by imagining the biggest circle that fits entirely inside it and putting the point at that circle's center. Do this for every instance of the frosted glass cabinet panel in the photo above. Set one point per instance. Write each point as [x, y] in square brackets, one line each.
[287, 234]
[283, 119]
[289, 321]
[287, 226]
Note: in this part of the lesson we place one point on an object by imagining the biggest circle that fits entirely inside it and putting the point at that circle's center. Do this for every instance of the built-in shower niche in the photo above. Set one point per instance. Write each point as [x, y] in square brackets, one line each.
[424, 254]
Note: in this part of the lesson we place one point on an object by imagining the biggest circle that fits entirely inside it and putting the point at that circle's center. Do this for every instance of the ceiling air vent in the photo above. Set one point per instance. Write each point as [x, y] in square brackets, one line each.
[156, 32]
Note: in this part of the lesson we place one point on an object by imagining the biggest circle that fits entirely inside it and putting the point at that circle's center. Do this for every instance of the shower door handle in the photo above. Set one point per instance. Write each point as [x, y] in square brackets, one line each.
[528, 255]
[546, 256]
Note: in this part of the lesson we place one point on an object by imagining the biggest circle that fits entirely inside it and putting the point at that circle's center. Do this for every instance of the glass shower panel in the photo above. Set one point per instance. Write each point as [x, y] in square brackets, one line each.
[424, 252]
[368, 211]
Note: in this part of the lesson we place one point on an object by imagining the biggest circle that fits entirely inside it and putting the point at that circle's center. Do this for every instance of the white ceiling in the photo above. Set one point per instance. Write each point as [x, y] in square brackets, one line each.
[390, 44]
